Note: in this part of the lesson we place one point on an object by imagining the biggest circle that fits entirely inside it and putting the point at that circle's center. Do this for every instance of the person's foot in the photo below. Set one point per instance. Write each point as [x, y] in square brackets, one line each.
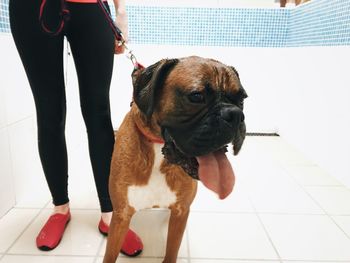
[51, 234]
[61, 209]
[132, 245]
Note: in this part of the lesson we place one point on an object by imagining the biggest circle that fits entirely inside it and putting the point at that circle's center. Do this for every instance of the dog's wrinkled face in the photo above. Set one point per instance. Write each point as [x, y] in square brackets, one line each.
[198, 104]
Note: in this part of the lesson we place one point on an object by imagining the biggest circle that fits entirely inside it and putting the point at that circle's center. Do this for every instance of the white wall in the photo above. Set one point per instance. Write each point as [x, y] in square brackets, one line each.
[20, 171]
[7, 196]
[8, 119]
[302, 93]
[315, 102]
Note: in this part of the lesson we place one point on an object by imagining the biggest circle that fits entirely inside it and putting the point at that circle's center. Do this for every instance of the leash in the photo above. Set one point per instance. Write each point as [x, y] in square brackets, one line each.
[65, 16]
[120, 37]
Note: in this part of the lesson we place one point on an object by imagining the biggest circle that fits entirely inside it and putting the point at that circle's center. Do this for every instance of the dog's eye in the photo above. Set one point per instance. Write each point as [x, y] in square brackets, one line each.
[238, 98]
[196, 97]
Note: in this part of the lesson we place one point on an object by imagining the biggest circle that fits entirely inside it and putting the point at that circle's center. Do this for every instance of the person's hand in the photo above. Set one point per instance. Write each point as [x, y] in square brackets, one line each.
[122, 23]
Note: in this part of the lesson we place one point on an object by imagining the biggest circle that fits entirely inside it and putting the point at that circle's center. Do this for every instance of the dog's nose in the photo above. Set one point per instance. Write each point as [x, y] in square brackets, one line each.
[232, 114]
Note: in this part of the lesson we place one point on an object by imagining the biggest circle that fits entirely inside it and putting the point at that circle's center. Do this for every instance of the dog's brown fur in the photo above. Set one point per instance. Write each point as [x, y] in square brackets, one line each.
[134, 154]
[132, 147]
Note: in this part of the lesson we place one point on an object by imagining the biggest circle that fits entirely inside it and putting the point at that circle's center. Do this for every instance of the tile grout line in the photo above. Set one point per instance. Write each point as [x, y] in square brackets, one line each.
[269, 237]
[50, 255]
[10, 151]
[98, 250]
[20, 120]
[46, 208]
[11, 162]
[315, 261]
[262, 213]
[196, 258]
[265, 230]
[188, 245]
[317, 203]
[249, 260]
[26, 228]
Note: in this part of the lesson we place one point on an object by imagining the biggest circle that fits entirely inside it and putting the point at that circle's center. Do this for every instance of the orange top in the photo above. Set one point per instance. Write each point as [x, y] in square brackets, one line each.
[84, 1]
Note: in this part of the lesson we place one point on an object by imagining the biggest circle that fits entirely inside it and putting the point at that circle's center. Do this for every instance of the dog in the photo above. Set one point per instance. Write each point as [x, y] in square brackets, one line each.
[184, 113]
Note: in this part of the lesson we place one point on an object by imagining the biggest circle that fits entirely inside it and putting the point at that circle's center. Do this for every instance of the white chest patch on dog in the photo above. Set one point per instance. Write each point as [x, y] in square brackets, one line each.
[156, 192]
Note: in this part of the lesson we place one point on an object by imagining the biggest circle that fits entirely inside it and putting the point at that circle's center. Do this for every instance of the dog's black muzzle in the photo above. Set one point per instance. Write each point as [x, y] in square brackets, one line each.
[216, 129]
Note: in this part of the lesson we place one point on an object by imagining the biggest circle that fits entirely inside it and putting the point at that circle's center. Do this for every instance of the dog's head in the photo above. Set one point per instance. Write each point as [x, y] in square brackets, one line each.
[198, 105]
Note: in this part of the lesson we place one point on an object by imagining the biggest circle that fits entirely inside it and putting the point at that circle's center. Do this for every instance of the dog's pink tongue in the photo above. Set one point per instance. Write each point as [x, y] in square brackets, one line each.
[216, 173]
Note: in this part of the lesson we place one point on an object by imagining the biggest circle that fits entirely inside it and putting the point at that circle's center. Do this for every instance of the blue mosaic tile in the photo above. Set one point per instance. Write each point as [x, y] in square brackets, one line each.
[4, 17]
[318, 23]
[207, 26]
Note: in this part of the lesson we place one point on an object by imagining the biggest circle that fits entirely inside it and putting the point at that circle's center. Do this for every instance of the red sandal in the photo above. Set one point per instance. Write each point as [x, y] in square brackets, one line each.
[132, 245]
[51, 234]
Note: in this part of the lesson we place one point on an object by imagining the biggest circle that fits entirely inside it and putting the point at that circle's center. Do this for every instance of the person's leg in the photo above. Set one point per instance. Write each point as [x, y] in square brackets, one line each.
[92, 45]
[42, 57]
[43, 62]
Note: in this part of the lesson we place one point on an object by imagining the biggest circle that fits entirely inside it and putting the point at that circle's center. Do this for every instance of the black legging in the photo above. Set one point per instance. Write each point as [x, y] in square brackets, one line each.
[92, 44]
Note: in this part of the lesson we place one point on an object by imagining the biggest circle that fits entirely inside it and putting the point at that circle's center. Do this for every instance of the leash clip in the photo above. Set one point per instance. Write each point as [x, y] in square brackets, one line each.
[130, 54]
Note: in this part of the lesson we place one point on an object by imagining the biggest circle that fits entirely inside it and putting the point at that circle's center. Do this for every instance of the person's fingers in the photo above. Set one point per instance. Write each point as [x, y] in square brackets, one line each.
[118, 48]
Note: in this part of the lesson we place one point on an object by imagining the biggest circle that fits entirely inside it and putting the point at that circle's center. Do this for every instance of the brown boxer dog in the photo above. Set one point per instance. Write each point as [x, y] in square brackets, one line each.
[184, 114]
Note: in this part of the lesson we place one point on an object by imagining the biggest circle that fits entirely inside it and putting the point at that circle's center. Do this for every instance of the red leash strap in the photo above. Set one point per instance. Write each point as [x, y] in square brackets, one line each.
[64, 17]
[116, 31]
[119, 36]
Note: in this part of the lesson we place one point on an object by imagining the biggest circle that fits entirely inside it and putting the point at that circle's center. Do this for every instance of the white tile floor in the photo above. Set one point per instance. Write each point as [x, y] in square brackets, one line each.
[283, 209]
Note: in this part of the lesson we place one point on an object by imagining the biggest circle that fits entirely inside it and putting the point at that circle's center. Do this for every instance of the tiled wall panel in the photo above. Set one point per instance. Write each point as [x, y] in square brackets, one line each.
[317, 23]
[320, 23]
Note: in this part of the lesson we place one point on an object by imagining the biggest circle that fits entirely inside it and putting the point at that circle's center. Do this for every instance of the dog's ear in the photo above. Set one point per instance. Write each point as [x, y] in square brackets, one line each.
[242, 95]
[147, 82]
[239, 138]
[241, 133]
[241, 92]
[235, 71]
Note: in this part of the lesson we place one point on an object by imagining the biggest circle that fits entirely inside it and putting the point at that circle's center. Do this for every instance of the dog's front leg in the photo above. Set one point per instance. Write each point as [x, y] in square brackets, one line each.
[116, 234]
[176, 229]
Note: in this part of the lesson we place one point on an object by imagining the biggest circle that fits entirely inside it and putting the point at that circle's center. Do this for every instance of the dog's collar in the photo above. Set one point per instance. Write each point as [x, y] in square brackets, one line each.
[149, 136]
